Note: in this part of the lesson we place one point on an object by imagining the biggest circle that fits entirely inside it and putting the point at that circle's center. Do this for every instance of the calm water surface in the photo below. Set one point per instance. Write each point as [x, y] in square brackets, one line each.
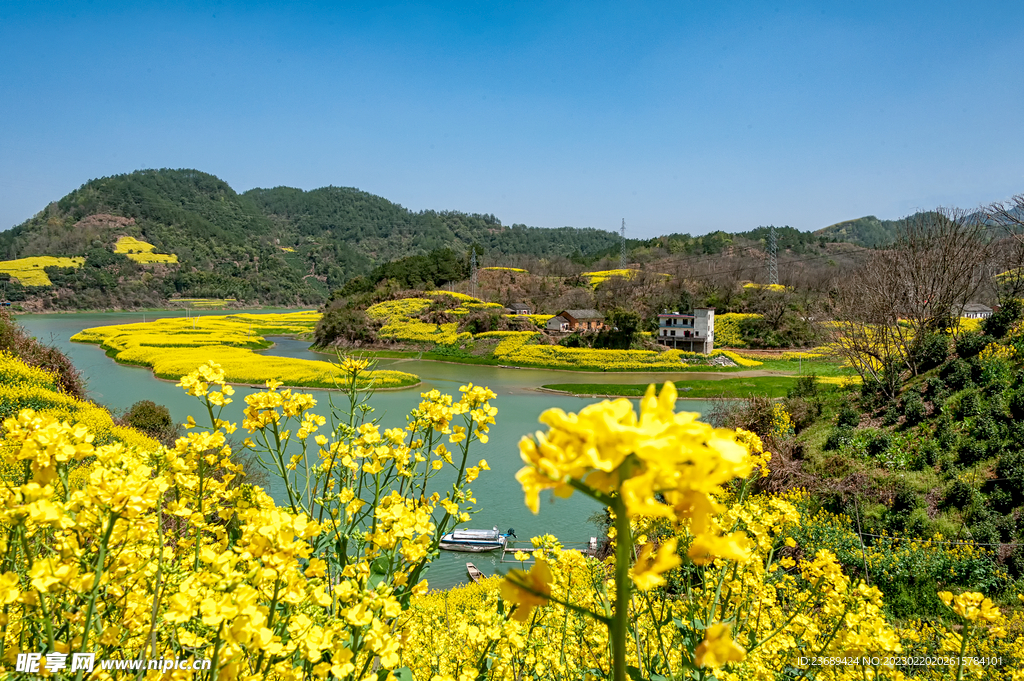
[499, 496]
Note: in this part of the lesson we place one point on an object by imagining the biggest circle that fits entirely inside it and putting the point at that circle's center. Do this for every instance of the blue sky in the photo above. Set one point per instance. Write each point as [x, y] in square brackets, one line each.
[678, 116]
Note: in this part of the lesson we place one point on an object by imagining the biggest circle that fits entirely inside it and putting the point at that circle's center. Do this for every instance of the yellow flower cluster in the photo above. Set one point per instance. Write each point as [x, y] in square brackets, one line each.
[203, 303]
[997, 352]
[415, 331]
[659, 464]
[165, 553]
[969, 324]
[142, 252]
[30, 272]
[743, 361]
[778, 288]
[604, 275]
[502, 269]
[402, 308]
[172, 346]
[727, 329]
[539, 319]
[516, 351]
[26, 387]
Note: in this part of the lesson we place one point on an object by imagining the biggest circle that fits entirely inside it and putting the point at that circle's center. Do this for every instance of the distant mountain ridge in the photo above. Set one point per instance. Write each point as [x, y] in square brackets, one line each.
[867, 231]
[288, 246]
[276, 246]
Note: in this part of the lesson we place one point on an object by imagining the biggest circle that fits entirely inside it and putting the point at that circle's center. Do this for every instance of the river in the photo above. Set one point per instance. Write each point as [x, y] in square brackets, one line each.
[500, 497]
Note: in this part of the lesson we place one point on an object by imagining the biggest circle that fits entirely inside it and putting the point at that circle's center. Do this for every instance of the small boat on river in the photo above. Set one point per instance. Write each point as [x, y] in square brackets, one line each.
[474, 572]
[476, 541]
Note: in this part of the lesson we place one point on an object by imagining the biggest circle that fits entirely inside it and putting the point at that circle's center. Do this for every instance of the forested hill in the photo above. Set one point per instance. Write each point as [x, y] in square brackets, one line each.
[274, 246]
[868, 231]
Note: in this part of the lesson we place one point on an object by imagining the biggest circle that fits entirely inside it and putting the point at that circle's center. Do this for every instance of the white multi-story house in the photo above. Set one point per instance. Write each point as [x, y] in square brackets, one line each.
[692, 332]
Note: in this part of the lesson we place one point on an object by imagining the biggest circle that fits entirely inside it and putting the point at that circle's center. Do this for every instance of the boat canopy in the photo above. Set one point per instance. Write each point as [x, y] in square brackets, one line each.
[475, 535]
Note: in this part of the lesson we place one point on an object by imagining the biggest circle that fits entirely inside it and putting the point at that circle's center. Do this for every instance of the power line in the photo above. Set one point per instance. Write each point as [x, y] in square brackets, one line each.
[773, 257]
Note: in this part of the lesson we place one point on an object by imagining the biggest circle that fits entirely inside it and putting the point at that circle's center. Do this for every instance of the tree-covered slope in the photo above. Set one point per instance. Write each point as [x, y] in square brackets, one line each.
[278, 246]
[868, 231]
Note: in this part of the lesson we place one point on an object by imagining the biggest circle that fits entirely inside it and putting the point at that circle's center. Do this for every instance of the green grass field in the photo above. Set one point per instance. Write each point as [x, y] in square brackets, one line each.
[770, 386]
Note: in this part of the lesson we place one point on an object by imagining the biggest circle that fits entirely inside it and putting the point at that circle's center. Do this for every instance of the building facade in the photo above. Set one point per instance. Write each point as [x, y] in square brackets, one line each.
[976, 311]
[577, 320]
[691, 332]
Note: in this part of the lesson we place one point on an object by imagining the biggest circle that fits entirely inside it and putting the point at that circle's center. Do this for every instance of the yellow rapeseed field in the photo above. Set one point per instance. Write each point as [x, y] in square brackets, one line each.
[170, 346]
[30, 272]
[137, 551]
[142, 252]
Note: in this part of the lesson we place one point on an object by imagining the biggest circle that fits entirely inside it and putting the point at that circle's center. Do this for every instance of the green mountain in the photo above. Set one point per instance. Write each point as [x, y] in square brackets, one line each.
[868, 231]
[274, 246]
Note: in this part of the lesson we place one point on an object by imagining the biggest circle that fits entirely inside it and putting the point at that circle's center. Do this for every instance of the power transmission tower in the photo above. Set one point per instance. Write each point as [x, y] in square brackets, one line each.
[773, 257]
[472, 272]
[622, 245]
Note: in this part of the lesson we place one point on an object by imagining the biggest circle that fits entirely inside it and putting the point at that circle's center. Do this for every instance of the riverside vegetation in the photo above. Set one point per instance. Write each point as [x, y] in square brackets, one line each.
[123, 548]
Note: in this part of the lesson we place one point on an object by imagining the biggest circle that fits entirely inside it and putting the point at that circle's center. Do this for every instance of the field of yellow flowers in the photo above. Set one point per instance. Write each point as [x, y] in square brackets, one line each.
[142, 252]
[31, 272]
[401, 323]
[172, 346]
[130, 550]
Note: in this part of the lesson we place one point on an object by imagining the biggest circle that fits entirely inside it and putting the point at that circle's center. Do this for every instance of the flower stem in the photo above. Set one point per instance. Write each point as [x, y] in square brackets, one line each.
[620, 620]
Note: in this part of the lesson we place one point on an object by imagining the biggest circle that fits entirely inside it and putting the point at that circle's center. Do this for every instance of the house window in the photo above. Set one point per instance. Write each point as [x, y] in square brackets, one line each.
[673, 332]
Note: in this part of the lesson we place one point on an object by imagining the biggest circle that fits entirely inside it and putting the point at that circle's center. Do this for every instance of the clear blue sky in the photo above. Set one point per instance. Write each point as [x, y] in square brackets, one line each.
[678, 116]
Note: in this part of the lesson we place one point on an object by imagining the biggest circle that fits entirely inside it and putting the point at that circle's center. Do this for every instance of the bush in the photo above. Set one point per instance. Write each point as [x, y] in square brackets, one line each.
[1016, 404]
[838, 438]
[1010, 475]
[914, 410]
[847, 417]
[879, 444]
[1010, 312]
[806, 386]
[931, 351]
[957, 374]
[969, 405]
[971, 343]
[152, 419]
[958, 495]
[971, 452]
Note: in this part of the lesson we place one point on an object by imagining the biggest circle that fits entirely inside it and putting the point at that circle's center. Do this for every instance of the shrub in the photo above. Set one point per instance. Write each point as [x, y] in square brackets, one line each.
[879, 443]
[1016, 404]
[971, 343]
[969, 405]
[957, 374]
[838, 437]
[959, 494]
[913, 408]
[847, 416]
[930, 351]
[151, 418]
[805, 386]
[1010, 474]
[998, 325]
[971, 452]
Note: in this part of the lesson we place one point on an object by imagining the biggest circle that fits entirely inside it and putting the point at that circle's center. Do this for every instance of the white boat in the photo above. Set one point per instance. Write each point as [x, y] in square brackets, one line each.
[476, 541]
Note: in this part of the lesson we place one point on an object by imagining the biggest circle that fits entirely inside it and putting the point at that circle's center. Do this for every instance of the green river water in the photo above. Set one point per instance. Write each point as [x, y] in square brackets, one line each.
[499, 496]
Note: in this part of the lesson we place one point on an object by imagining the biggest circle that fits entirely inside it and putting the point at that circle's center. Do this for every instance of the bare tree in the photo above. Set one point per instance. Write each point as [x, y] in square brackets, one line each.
[916, 287]
[1009, 252]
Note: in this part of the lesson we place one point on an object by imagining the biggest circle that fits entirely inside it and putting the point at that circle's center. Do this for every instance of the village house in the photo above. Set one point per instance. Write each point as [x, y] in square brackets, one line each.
[520, 308]
[976, 311]
[576, 320]
[691, 332]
